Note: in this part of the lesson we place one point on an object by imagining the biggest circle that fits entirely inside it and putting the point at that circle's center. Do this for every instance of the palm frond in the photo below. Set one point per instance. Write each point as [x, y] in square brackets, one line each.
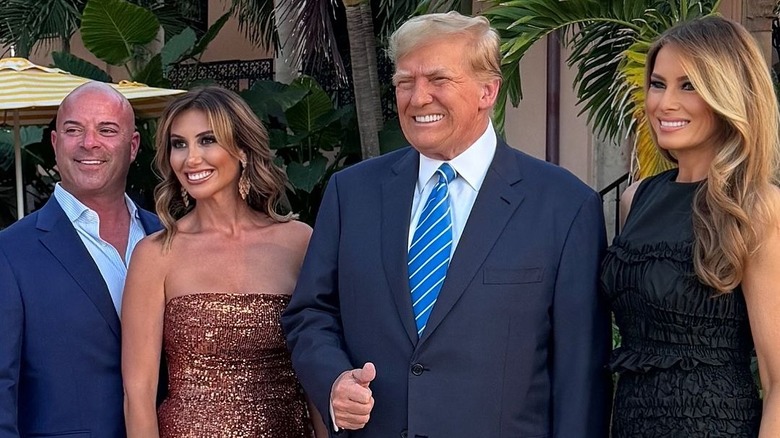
[596, 31]
[313, 39]
[391, 13]
[24, 23]
[256, 20]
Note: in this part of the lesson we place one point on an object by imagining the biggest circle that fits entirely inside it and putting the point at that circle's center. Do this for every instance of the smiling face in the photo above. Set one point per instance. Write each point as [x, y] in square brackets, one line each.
[442, 106]
[203, 167]
[681, 119]
[94, 143]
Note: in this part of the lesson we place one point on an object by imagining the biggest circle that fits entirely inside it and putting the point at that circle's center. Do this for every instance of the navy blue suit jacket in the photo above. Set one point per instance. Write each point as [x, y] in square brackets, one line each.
[59, 333]
[517, 343]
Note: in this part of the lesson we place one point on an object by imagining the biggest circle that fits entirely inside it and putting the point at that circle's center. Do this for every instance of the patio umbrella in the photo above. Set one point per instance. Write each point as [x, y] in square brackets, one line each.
[30, 95]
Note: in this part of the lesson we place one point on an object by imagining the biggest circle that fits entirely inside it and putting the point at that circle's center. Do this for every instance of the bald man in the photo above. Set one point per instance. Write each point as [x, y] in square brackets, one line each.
[62, 271]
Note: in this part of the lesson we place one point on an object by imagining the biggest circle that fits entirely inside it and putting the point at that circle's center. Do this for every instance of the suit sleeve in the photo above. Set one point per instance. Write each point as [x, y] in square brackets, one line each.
[581, 331]
[312, 321]
[11, 324]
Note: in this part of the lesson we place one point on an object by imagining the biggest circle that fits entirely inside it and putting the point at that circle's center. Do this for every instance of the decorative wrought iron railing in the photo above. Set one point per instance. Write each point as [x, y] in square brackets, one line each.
[611, 193]
[343, 93]
[236, 75]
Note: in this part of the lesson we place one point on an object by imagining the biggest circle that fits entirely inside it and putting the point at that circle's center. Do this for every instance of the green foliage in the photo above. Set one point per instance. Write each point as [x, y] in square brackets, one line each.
[608, 40]
[152, 73]
[79, 67]
[112, 29]
[177, 47]
[256, 20]
[25, 22]
[311, 137]
[211, 33]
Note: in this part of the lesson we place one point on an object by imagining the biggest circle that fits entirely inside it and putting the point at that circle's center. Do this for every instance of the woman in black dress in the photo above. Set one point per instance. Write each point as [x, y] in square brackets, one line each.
[700, 249]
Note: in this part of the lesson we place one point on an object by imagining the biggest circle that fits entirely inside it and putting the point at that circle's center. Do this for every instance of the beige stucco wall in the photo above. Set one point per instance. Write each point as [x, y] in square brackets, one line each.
[230, 44]
[525, 125]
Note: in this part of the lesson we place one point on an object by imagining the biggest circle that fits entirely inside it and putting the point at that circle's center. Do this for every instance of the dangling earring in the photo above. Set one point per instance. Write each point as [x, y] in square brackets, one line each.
[243, 182]
[185, 198]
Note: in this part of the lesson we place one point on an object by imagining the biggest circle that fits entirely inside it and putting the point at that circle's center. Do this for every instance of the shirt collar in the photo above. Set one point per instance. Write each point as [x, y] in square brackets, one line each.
[472, 164]
[74, 208]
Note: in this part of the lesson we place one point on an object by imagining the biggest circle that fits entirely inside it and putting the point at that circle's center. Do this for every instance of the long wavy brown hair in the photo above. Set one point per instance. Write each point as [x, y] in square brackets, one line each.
[237, 129]
[732, 209]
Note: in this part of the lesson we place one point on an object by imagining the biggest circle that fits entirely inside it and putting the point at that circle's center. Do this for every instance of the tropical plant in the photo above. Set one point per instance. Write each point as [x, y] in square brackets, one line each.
[608, 40]
[312, 137]
[24, 23]
[120, 33]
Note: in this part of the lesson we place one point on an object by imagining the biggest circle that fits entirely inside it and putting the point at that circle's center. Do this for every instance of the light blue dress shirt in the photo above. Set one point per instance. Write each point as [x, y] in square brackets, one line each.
[472, 166]
[87, 224]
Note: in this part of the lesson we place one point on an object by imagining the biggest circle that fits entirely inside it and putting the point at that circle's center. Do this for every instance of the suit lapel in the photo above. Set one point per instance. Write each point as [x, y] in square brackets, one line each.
[62, 240]
[397, 193]
[496, 202]
[149, 221]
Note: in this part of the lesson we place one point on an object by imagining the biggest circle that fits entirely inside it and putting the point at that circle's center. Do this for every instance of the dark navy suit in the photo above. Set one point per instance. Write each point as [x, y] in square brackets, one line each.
[517, 342]
[59, 333]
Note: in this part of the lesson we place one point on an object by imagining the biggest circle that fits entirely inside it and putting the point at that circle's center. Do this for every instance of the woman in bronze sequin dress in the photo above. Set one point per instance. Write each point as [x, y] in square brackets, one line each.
[208, 290]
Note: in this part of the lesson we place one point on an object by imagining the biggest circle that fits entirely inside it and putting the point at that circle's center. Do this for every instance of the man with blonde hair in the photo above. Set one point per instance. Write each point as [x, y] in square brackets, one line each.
[450, 288]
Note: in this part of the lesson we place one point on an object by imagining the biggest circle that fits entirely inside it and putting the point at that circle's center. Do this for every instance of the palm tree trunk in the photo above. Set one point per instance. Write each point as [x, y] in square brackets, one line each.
[365, 81]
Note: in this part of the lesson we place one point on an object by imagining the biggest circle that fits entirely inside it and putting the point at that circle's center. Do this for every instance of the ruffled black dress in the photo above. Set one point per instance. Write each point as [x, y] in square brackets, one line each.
[684, 360]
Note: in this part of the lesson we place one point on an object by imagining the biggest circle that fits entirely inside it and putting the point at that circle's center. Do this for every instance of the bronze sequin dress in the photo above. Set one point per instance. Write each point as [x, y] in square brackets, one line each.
[230, 373]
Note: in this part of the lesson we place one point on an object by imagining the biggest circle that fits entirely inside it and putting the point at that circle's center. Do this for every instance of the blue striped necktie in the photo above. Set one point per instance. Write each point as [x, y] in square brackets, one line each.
[429, 254]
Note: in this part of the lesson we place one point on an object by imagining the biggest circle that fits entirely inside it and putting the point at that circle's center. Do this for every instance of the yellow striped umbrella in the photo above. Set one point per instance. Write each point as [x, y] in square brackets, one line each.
[30, 95]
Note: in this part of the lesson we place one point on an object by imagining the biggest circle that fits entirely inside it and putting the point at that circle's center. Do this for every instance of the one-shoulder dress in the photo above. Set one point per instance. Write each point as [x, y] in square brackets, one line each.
[684, 363]
[230, 373]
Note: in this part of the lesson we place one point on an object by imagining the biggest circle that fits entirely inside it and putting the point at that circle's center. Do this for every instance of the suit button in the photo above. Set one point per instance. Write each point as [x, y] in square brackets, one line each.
[404, 434]
[417, 369]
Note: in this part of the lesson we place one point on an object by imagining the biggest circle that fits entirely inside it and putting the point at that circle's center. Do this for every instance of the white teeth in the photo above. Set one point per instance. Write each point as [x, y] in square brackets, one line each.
[197, 176]
[90, 162]
[429, 118]
[676, 124]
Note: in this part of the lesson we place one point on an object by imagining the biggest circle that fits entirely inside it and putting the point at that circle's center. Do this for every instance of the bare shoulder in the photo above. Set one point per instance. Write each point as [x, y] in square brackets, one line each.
[149, 252]
[773, 226]
[295, 233]
[627, 197]
[774, 202]
[767, 256]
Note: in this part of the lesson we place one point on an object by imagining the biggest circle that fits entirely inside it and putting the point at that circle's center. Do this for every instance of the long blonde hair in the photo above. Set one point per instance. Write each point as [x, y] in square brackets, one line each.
[732, 208]
[237, 129]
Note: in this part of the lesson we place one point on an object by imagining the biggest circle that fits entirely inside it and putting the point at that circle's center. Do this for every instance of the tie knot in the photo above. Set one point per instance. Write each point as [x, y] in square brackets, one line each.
[447, 172]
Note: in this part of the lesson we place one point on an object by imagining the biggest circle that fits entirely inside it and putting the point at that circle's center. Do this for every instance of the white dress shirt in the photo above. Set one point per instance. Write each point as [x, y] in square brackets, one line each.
[471, 167]
[87, 224]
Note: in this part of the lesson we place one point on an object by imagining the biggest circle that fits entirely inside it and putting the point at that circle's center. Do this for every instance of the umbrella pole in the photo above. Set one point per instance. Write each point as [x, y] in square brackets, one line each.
[18, 166]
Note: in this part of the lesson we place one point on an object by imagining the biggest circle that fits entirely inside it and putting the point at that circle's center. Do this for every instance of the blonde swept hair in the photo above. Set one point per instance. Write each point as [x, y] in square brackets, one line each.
[484, 56]
[237, 129]
[732, 209]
